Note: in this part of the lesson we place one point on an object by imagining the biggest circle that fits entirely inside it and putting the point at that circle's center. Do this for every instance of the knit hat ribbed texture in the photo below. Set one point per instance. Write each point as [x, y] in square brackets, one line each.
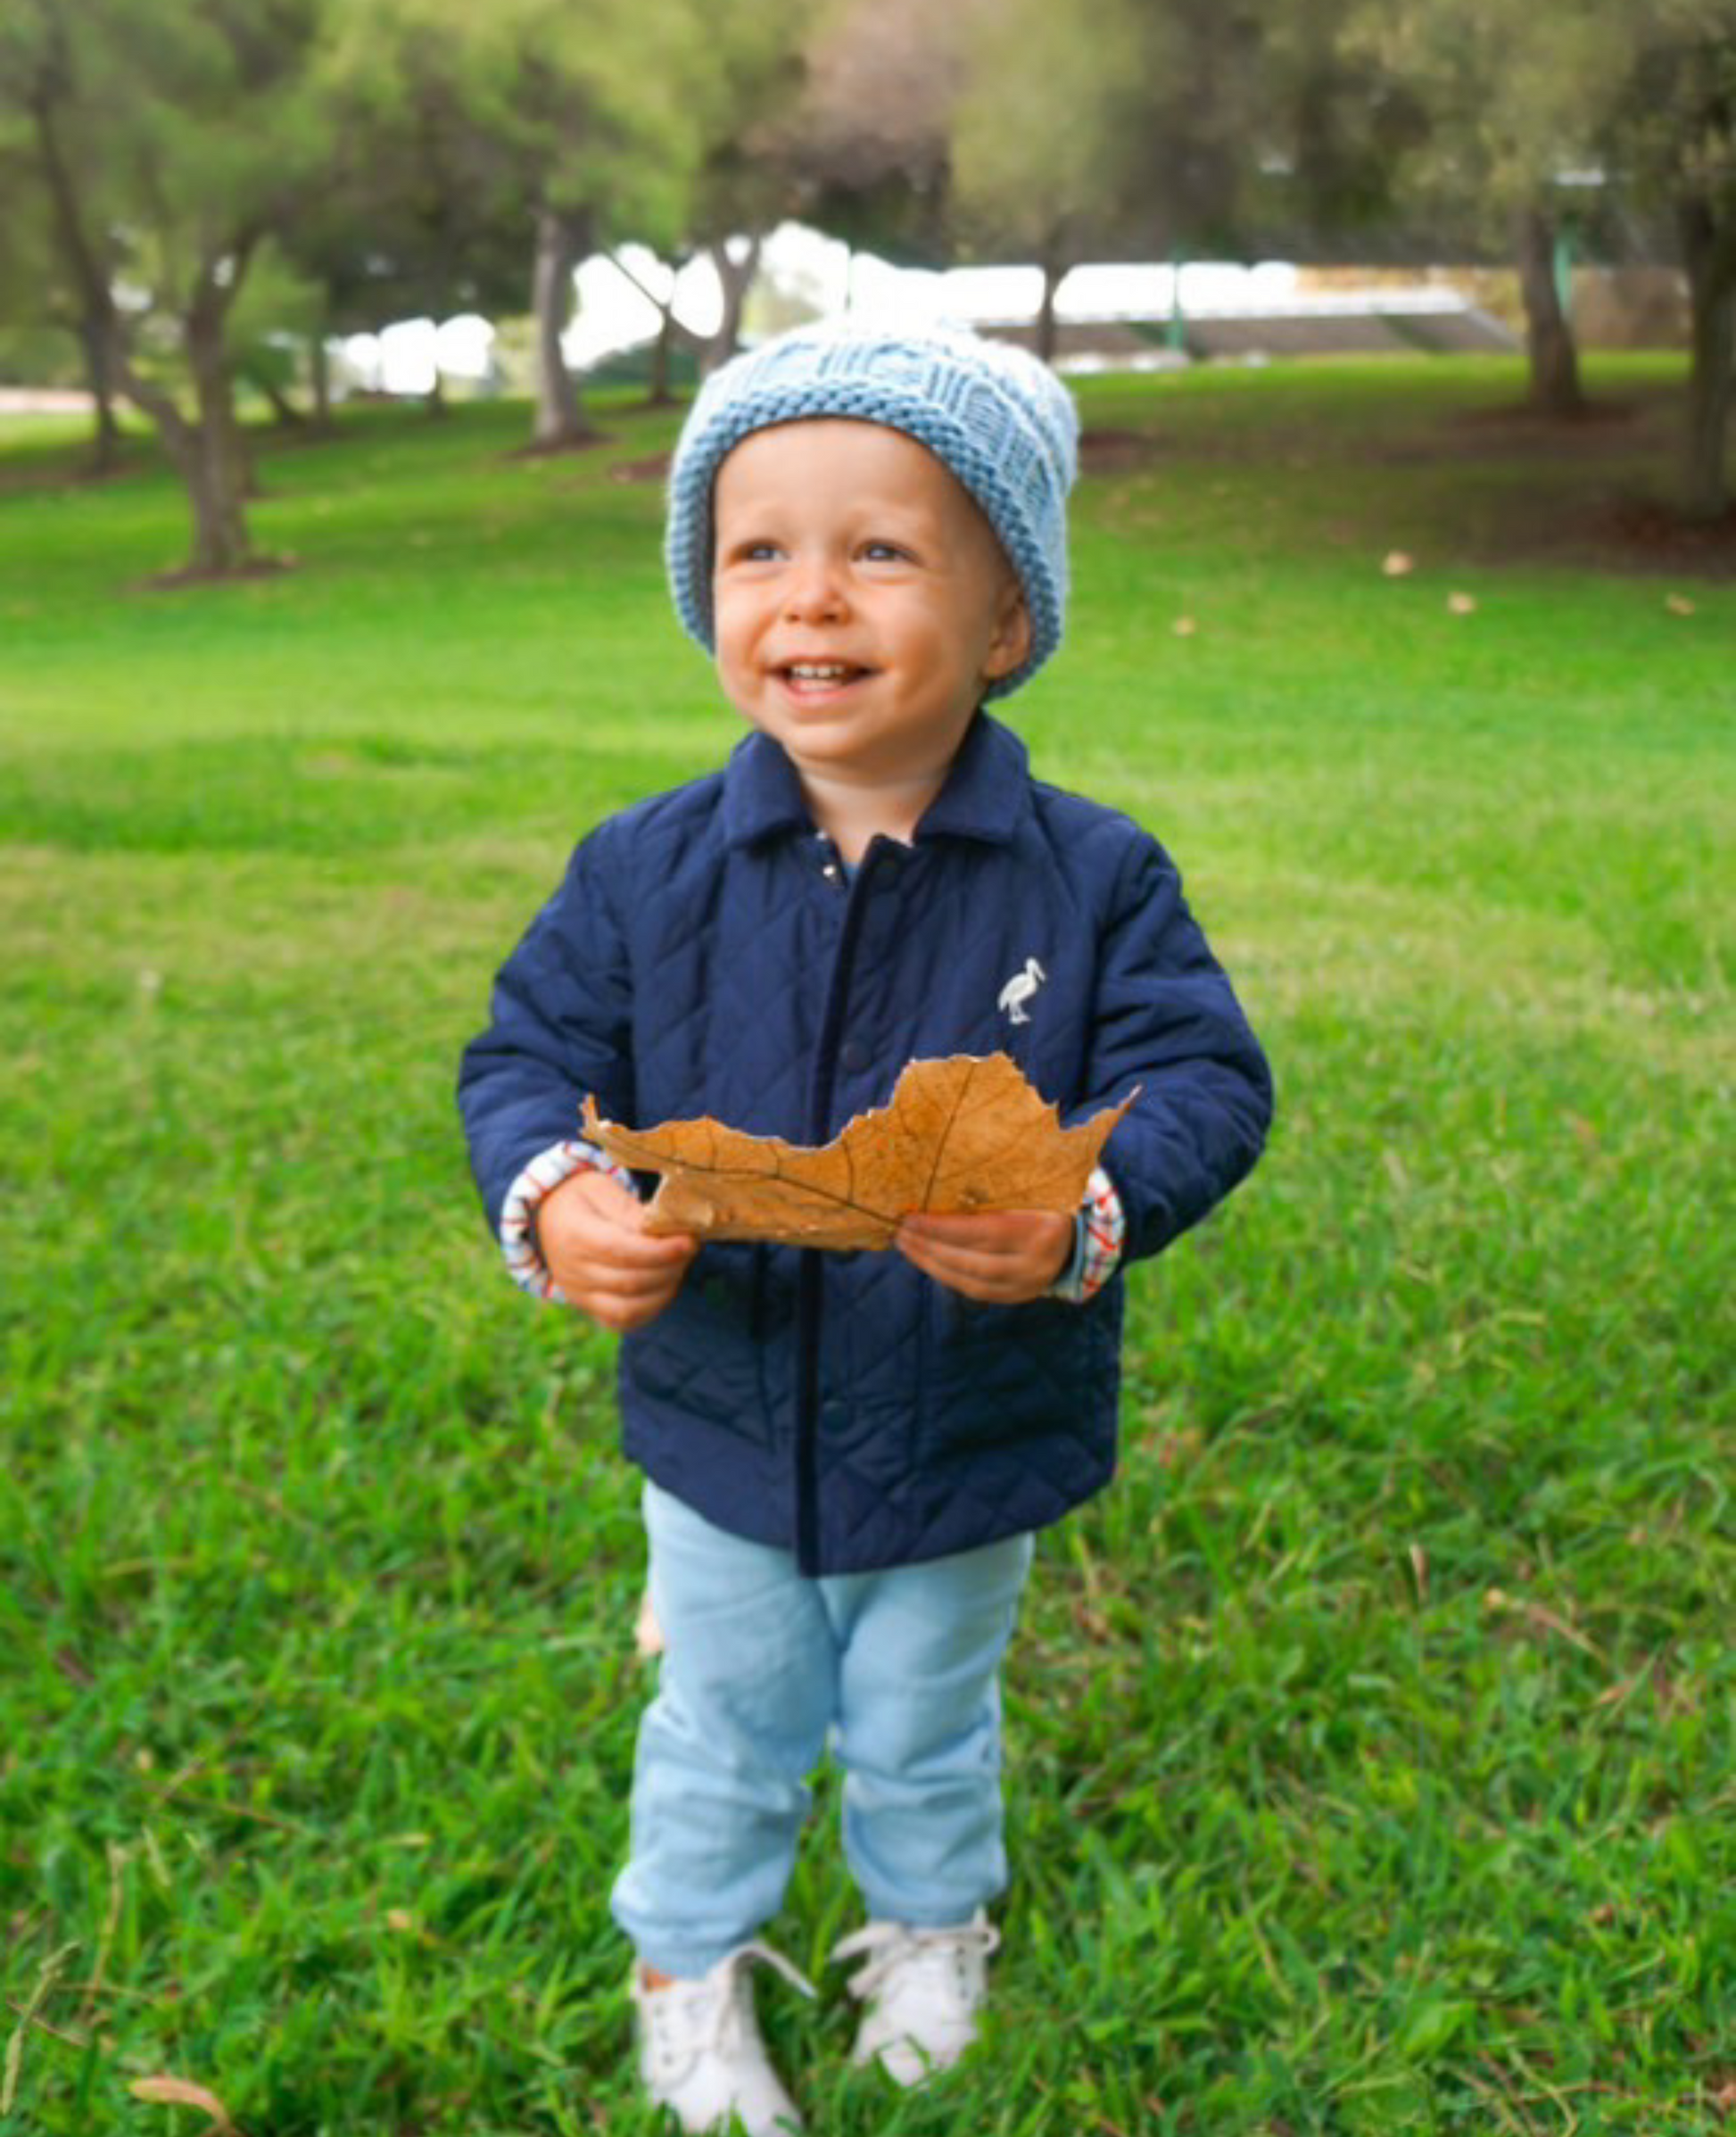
[998, 419]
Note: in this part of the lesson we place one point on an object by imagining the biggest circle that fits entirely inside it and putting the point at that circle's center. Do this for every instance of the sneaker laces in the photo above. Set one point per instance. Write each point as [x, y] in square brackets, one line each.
[888, 1948]
[709, 2013]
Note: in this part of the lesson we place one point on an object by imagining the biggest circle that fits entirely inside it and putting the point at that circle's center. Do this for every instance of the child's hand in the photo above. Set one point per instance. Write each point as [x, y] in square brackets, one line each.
[1001, 1257]
[594, 1244]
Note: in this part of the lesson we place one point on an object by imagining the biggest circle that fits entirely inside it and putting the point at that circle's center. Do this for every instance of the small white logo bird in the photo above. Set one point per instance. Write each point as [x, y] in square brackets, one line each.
[1020, 988]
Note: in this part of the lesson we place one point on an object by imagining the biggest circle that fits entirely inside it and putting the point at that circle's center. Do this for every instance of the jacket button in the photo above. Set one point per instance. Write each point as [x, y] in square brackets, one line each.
[852, 1057]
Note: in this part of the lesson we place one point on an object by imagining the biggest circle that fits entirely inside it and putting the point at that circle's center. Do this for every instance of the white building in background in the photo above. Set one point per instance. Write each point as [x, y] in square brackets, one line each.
[611, 315]
[406, 357]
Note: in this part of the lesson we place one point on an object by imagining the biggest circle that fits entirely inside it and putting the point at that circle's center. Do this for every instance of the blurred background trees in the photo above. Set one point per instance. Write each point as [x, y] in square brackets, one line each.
[202, 191]
[168, 148]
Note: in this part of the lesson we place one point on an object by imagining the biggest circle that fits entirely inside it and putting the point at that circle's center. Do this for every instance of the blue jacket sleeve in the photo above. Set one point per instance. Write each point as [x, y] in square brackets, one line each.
[560, 1027]
[1167, 1020]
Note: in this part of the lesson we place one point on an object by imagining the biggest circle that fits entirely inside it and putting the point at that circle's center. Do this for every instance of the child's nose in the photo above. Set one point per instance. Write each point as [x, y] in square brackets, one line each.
[816, 588]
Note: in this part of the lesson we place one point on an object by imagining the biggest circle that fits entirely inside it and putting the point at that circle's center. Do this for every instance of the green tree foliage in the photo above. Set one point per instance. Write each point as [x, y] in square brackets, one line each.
[1339, 122]
[428, 210]
[1671, 139]
[1519, 97]
[168, 144]
[43, 323]
[1511, 94]
[1143, 125]
[1047, 135]
[566, 120]
[745, 73]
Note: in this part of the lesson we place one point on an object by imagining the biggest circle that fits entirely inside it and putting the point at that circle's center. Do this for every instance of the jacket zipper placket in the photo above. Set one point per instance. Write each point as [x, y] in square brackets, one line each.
[810, 1295]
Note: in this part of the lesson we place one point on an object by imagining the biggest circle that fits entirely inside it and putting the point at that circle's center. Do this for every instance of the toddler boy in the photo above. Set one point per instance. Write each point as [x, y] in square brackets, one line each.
[846, 1455]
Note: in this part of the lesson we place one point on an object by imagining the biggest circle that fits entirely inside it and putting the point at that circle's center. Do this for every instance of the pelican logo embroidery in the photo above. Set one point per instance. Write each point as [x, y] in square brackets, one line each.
[1020, 988]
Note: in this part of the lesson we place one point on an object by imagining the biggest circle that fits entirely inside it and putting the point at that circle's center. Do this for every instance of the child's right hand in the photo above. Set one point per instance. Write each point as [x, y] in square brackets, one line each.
[591, 1233]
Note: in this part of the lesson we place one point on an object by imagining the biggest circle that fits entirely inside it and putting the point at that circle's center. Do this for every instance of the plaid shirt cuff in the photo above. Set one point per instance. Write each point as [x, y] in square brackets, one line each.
[526, 1196]
[1101, 1228]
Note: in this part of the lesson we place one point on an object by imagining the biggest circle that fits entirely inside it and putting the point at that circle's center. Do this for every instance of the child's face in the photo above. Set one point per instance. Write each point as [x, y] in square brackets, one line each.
[861, 600]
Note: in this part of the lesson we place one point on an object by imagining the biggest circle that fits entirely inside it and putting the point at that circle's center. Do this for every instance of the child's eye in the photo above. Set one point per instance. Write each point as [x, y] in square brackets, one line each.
[884, 553]
[753, 552]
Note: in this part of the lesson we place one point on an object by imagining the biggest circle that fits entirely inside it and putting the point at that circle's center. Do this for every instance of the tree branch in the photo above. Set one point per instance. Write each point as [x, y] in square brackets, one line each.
[665, 307]
[80, 253]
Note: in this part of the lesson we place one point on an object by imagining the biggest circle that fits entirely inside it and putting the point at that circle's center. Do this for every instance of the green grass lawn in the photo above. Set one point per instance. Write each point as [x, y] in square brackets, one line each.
[1371, 1757]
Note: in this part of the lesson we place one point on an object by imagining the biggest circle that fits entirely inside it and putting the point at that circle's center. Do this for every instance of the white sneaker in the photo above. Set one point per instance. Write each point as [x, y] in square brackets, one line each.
[700, 2053]
[923, 1989]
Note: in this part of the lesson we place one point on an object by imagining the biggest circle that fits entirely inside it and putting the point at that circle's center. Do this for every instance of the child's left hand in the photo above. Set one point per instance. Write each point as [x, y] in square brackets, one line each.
[1000, 1257]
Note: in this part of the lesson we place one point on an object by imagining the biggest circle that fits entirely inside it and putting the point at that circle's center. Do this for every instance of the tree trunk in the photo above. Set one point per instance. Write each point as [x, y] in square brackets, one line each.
[236, 451]
[105, 442]
[736, 277]
[215, 464]
[319, 371]
[284, 413]
[207, 453]
[670, 330]
[99, 321]
[660, 393]
[1710, 255]
[435, 403]
[1053, 273]
[1554, 387]
[562, 241]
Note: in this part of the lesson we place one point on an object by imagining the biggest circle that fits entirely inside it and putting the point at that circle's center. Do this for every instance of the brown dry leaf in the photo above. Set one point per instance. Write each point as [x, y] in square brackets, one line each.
[1185, 626]
[1678, 604]
[1398, 563]
[182, 2093]
[963, 1134]
[1462, 604]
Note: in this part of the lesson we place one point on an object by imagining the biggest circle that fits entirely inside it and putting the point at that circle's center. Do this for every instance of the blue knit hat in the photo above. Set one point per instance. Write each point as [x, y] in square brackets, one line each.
[999, 420]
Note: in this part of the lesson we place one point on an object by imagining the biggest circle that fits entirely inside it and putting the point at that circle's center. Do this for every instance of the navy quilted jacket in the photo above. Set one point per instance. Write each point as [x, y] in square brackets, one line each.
[706, 954]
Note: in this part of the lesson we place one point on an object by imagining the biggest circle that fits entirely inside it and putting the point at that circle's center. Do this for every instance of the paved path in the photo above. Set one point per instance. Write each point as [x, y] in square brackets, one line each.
[42, 401]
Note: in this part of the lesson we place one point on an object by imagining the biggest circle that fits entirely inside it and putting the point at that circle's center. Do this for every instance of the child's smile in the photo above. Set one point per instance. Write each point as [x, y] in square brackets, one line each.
[862, 602]
[811, 680]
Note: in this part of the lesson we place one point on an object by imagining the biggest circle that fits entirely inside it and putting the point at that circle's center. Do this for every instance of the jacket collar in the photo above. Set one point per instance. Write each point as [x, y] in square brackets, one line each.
[988, 789]
[985, 795]
[761, 792]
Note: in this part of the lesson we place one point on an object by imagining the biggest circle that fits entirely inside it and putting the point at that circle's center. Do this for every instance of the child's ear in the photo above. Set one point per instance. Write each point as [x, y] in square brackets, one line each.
[1010, 646]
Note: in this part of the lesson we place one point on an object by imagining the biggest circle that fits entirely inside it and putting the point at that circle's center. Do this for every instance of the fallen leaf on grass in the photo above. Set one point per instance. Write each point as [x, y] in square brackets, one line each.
[1397, 563]
[962, 1134]
[1678, 604]
[1185, 626]
[181, 2093]
[1462, 604]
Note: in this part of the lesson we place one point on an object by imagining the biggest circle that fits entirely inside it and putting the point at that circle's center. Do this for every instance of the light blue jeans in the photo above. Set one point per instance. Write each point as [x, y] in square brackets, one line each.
[901, 1669]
